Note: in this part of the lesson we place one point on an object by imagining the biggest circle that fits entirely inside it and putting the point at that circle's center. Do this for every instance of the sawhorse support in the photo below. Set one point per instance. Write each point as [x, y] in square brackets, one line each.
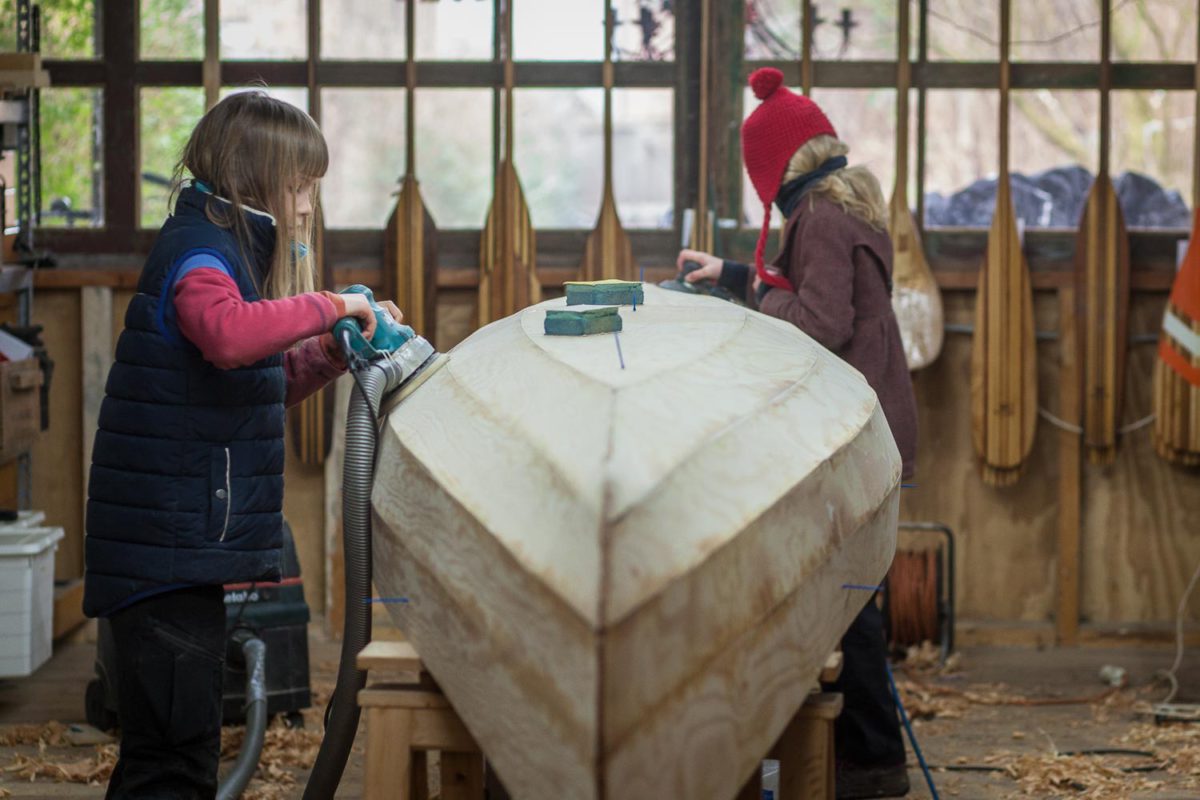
[407, 720]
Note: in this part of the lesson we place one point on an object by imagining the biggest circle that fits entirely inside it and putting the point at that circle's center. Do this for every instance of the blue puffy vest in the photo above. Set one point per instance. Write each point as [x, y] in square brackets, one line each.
[186, 482]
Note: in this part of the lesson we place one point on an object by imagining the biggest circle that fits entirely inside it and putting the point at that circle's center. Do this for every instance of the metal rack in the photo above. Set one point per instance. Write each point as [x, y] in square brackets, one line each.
[21, 133]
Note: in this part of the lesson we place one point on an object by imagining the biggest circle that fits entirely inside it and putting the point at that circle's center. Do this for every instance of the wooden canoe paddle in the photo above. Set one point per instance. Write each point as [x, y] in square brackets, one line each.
[915, 295]
[1102, 288]
[1177, 370]
[507, 254]
[609, 253]
[410, 240]
[1003, 352]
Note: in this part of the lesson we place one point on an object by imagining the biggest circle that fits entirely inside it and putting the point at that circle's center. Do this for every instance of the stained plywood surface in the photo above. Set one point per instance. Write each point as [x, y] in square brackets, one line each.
[1006, 536]
[1141, 515]
[58, 453]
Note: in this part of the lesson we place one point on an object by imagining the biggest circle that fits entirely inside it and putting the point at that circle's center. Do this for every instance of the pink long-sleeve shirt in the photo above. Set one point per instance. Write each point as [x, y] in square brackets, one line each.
[231, 332]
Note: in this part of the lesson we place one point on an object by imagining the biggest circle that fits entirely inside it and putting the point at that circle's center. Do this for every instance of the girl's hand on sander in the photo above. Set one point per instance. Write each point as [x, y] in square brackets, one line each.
[710, 266]
[393, 309]
[359, 307]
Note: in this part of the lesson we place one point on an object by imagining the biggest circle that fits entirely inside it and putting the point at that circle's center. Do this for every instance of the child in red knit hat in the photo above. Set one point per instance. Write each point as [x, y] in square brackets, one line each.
[832, 279]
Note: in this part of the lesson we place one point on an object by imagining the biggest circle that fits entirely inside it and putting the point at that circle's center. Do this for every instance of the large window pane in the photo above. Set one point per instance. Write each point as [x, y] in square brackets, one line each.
[71, 158]
[251, 29]
[68, 28]
[172, 29]
[962, 140]
[167, 118]
[840, 31]
[559, 154]
[553, 30]
[1064, 30]
[863, 31]
[454, 162]
[1154, 30]
[645, 30]
[773, 29]
[643, 156]
[865, 119]
[1152, 157]
[365, 132]
[364, 29]
[458, 31]
[963, 30]
[1055, 154]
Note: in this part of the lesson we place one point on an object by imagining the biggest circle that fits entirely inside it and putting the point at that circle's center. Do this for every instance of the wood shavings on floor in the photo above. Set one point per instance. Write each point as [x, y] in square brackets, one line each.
[1093, 777]
[93, 770]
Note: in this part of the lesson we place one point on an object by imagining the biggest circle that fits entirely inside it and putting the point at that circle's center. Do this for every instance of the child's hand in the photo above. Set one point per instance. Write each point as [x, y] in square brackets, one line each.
[393, 309]
[358, 307]
[710, 266]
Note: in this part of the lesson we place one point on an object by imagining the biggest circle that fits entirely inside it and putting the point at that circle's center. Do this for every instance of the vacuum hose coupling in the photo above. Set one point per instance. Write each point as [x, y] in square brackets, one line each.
[255, 653]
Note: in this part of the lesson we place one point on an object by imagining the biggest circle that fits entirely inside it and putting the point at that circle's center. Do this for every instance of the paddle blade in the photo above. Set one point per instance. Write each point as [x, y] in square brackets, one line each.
[916, 298]
[1177, 373]
[1003, 354]
[508, 272]
[410, 256]
[1102, 317]
[609, 253]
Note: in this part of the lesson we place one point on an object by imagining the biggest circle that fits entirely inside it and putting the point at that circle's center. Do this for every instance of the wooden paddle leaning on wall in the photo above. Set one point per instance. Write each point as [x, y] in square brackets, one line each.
[1003, 353]
[410, 240]
[915, 295]
[1177, 371]
[1102, 288]
[609, 253]
[507, 255]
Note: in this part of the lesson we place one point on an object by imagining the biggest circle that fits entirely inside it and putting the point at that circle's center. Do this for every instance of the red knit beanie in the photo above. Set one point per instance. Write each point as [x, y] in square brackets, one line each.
[771, 135]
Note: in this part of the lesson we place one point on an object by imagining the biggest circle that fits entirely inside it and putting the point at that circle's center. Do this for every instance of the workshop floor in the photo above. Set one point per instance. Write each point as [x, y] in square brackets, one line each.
[983, 716]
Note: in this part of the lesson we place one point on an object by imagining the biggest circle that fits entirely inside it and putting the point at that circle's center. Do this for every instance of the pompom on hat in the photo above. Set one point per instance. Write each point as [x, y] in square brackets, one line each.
[771, 135]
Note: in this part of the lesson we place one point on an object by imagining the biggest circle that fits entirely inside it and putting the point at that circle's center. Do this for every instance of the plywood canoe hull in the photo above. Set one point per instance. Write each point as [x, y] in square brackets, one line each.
[626, 580]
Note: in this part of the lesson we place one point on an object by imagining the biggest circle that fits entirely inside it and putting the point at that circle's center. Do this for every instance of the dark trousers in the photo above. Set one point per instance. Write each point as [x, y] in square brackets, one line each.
[867, 733]
[170, 656]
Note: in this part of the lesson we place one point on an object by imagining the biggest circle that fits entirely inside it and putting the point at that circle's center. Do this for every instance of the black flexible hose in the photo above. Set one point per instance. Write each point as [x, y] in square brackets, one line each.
[256, 721]
[357, 475]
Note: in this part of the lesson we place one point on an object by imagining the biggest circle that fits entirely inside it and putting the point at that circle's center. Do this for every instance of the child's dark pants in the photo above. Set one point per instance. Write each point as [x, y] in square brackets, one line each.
[170, 654]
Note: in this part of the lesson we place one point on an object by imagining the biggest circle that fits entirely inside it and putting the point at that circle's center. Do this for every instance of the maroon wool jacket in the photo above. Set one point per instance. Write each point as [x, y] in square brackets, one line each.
[841, 268]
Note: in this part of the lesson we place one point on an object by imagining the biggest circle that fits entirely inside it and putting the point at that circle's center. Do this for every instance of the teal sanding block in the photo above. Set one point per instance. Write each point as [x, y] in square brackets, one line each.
[581, 322]
[603, 293]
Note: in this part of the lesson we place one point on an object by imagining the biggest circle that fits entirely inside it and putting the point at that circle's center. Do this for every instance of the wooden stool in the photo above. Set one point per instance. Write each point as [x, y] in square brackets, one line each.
[407, 720]
[807, 769]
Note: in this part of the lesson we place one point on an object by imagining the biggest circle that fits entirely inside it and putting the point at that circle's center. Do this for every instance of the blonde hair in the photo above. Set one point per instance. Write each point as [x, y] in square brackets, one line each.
[252, 150]
[855, 189]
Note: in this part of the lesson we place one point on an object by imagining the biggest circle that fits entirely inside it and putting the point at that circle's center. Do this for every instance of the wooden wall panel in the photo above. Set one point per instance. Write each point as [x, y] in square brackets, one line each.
[1141, 516]
[58, 454]
[121, 298]
[96, 350]
[1006, 537]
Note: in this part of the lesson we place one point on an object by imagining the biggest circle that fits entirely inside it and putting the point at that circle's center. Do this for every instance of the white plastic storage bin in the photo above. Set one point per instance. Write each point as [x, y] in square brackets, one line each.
[26, 597]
